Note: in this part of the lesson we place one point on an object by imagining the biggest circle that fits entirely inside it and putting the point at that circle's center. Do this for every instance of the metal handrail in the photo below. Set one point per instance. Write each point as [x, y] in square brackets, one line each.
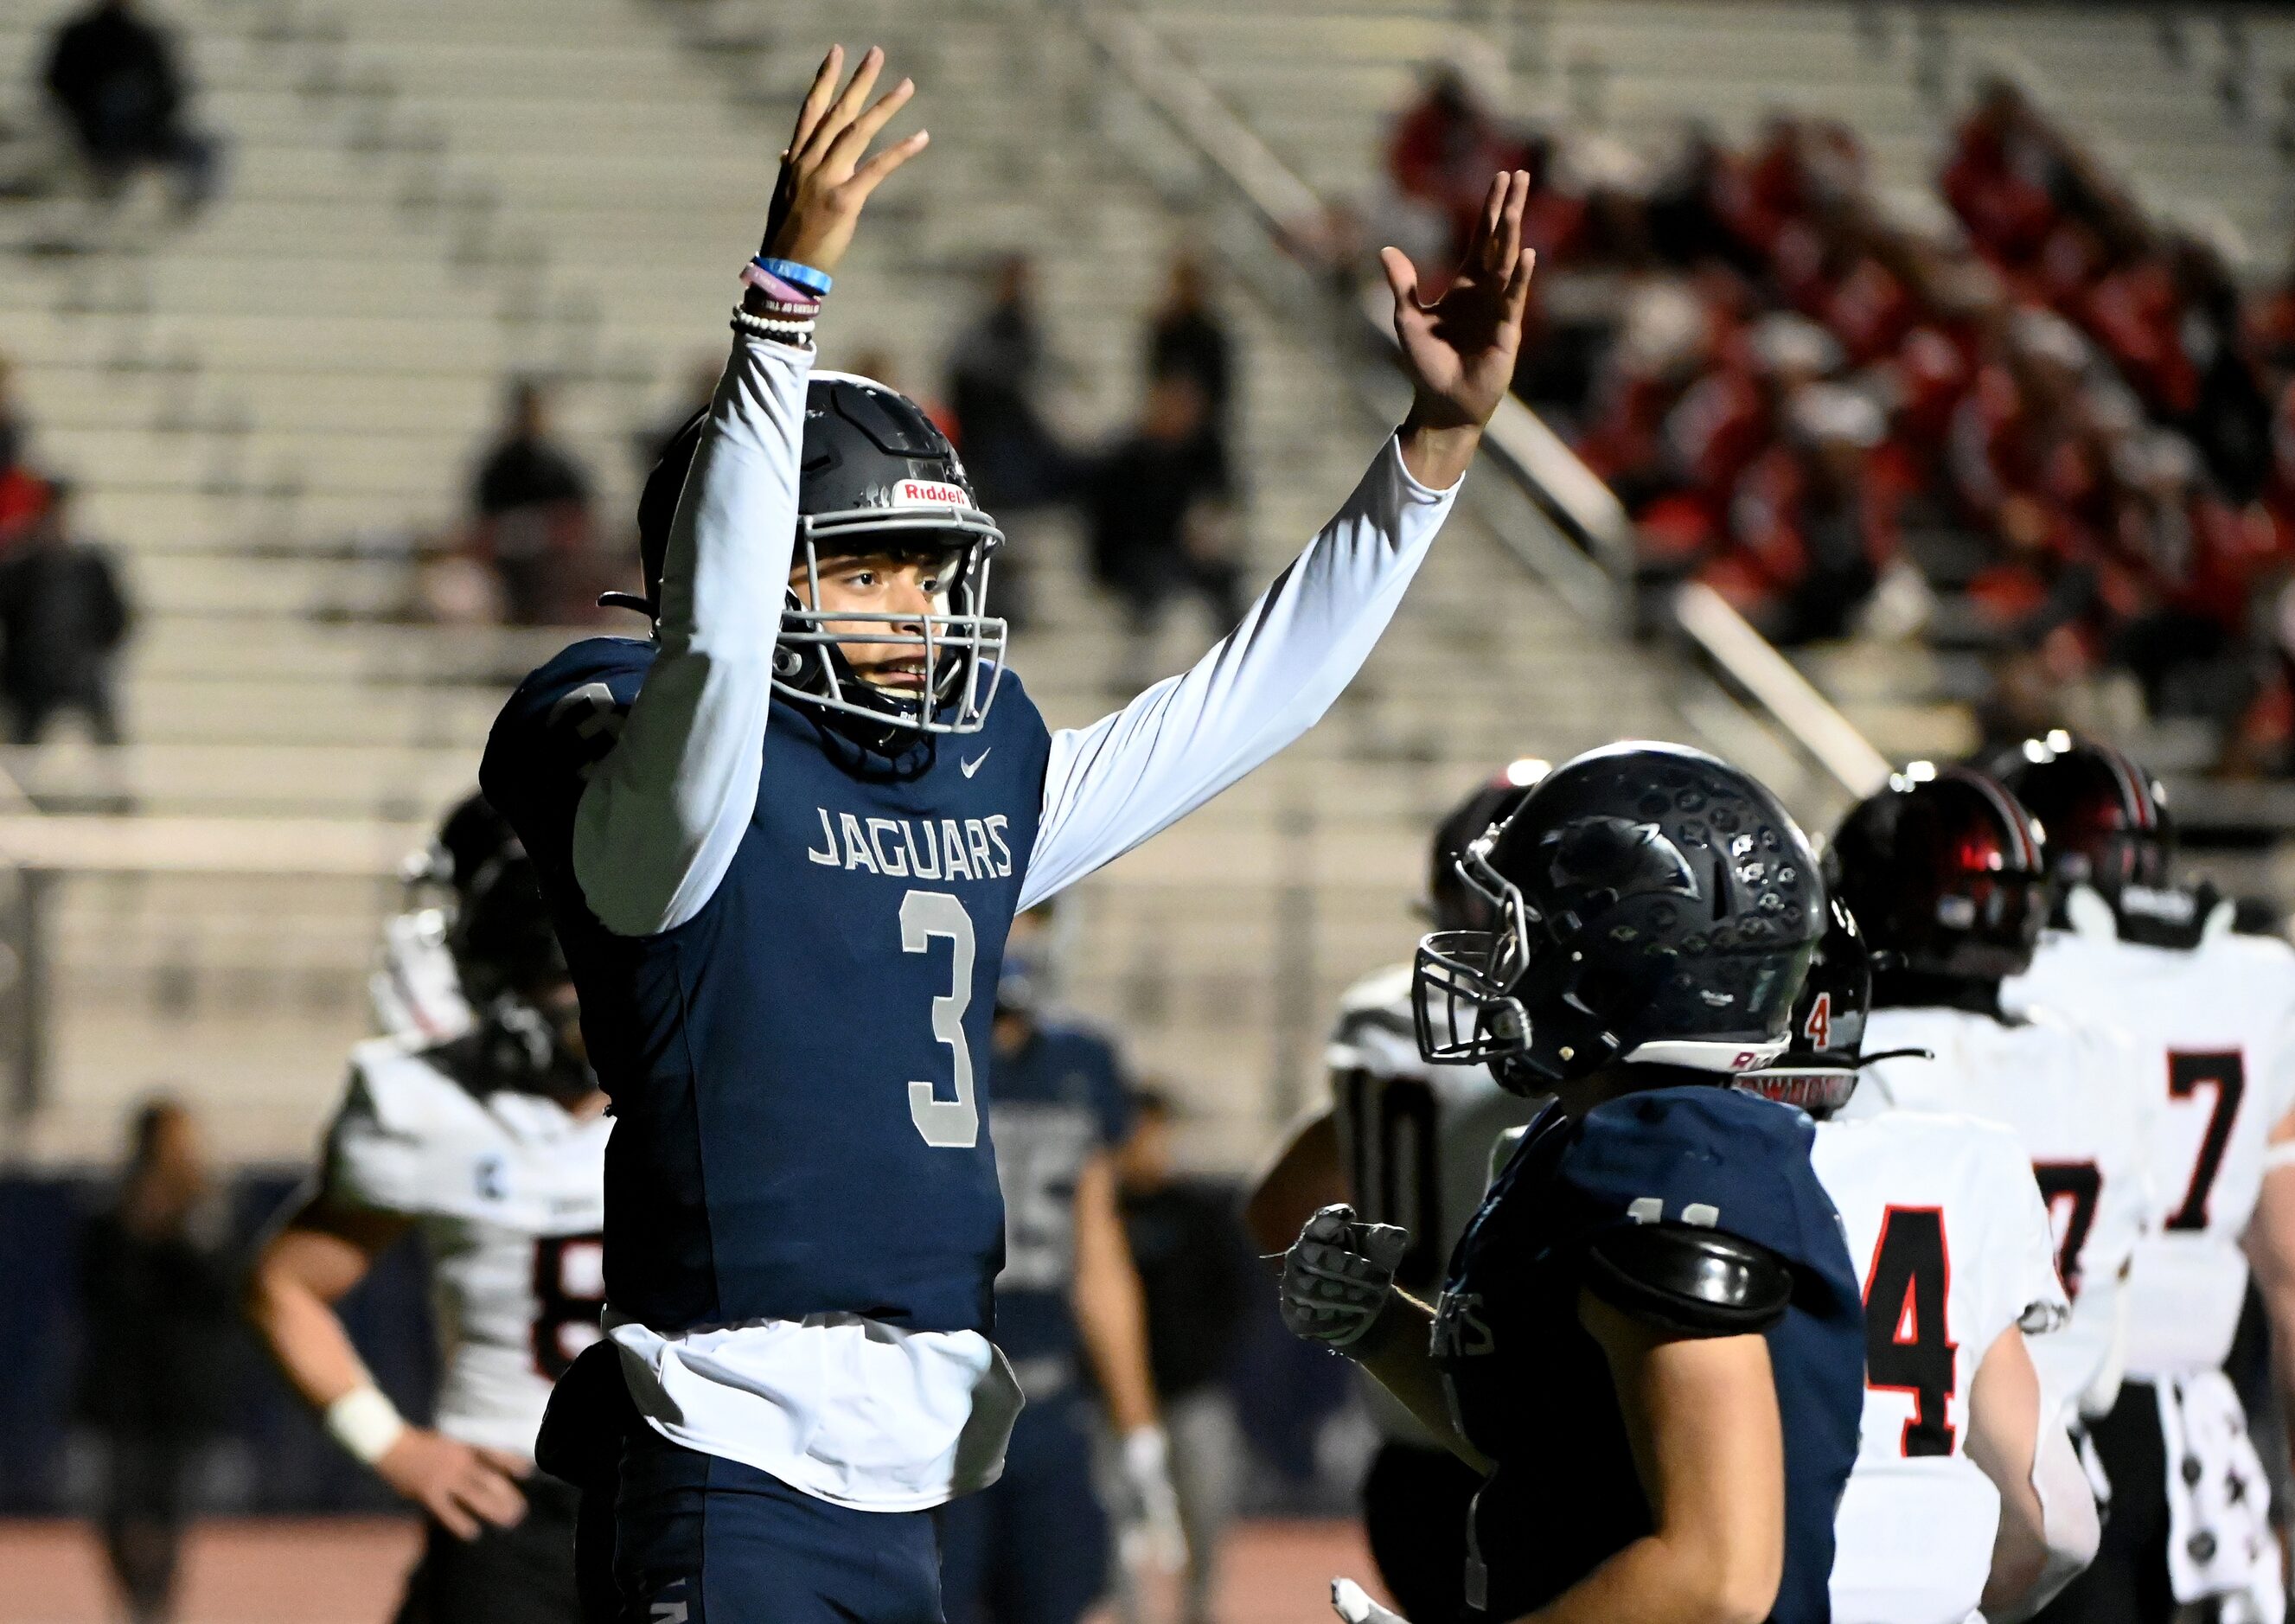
[1518, 441]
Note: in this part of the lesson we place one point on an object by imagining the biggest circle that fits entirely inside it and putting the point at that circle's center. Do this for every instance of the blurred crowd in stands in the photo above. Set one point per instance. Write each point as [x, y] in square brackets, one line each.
[117, 105]
[64, 614]
[1155, 499]
[117, 85]
[2055, 427]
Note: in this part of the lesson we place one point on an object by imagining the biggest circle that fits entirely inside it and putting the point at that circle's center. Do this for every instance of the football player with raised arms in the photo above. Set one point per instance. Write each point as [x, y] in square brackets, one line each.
[784, 837]
[1967, 1490]
[1649, 1338]
[1944, 873]
[491, 1146]
[2213, 1015]
[1407, 1143]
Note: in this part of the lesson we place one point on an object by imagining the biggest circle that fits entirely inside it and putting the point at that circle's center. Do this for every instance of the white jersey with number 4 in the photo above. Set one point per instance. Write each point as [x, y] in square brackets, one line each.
[507, 1190]
[2070, 1092]
[2215, 1024]
[1952, 1248]
[1414, 1139]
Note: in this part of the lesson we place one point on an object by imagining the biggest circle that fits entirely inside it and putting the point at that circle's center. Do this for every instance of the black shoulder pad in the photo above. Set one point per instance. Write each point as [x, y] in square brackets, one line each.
[1692, 1281]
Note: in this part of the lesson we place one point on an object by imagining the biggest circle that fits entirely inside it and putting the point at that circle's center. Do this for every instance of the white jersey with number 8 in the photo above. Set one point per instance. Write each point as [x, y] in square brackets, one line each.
[1952, 1246]
[2215, 1026]
[508, 1191]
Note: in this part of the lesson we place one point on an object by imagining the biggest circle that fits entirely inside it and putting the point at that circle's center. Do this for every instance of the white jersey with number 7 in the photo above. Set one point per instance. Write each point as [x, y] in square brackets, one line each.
[2215, 1024]
[2069, 1090]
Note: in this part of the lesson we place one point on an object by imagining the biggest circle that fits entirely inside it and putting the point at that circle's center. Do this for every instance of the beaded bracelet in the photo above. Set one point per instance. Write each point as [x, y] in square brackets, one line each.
[816, 282]
[781, 332]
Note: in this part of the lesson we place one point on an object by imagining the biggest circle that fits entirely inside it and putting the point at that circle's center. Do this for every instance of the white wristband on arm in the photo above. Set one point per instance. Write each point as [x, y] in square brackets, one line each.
[365, 1423]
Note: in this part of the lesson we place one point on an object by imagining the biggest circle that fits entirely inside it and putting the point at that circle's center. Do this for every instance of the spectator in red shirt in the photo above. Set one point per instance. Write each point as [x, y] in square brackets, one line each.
[1999, 177]
[1810, 528]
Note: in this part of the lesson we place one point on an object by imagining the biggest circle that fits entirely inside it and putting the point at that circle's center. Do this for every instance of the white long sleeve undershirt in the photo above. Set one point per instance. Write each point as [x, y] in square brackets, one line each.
[660, 820]
[666, 810]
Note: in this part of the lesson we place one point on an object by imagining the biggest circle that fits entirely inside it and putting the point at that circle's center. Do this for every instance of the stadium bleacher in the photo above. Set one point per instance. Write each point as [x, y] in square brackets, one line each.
[422, 204]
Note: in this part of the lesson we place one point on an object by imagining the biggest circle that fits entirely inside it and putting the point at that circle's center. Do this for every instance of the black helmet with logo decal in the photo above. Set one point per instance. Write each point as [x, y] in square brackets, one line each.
[1648, 903]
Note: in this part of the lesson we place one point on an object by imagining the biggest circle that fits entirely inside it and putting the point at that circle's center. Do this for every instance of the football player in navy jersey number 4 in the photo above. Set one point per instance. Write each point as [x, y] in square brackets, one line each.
[783, 839]
[1649, 1339]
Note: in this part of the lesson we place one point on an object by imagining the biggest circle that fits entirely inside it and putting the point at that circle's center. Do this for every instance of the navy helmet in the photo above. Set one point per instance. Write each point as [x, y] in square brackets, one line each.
[1649, 903]
[875, 475]
[1944, 872]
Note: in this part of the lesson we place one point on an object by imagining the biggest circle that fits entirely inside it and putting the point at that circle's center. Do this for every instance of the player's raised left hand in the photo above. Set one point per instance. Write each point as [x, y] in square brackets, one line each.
[1460, 350]
[826, 174]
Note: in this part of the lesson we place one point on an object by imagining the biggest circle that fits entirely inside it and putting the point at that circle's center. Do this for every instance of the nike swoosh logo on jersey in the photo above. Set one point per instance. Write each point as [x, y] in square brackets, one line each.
[973, 766]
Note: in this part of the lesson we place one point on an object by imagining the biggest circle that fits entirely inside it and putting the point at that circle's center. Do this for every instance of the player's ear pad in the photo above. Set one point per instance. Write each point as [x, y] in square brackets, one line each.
[1688, 1280]
[590, 1414]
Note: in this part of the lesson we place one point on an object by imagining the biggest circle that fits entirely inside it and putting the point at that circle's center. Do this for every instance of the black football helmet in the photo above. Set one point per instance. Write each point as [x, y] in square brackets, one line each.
[528, 1036]
[2105, 819]
[875, 475]
[472, 835]
[1451, 903]
[1945, 872]
[502, 938]
[1649, 903]
[1819, 1070]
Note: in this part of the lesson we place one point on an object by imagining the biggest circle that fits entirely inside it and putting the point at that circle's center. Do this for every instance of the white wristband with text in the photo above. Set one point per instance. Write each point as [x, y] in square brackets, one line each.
[365, 1423]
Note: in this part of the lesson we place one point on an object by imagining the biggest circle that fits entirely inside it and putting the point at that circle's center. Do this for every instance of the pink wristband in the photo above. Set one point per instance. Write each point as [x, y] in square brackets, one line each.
[788, 297]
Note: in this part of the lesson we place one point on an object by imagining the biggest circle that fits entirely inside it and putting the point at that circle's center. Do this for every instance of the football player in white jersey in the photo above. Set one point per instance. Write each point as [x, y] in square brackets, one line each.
[1405, 1142]
[2213, 1015]
[1945, 872]
[492, 1148]
[1966, 1491]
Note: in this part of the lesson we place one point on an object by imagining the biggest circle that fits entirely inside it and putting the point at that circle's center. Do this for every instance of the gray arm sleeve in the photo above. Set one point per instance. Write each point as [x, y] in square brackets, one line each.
[661, 817]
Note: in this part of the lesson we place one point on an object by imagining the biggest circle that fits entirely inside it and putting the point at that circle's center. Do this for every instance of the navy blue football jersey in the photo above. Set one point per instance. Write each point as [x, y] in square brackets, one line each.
[798, 1072]
[1059, 1099]
[1532, 1390]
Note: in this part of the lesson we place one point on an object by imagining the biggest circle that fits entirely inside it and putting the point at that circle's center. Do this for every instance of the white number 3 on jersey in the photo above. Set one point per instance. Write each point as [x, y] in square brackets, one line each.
[946, 1124]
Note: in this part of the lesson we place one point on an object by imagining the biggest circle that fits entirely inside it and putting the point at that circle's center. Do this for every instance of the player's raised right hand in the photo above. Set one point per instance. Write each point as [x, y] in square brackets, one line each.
[823, 179]
[465, 1488]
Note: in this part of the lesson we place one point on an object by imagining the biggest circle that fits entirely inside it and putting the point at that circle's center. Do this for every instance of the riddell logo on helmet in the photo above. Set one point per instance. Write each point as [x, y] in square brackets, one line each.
[929, 494]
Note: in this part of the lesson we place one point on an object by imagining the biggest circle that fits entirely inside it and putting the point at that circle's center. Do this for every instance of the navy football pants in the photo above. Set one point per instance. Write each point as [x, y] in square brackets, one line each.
[697, 1538]
[1032, 1548]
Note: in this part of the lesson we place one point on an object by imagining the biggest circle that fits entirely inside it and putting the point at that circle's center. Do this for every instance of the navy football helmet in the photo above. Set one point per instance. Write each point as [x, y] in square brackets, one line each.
[2103, 817]
[1649, 903]
[1944, 872]
[875, 477]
